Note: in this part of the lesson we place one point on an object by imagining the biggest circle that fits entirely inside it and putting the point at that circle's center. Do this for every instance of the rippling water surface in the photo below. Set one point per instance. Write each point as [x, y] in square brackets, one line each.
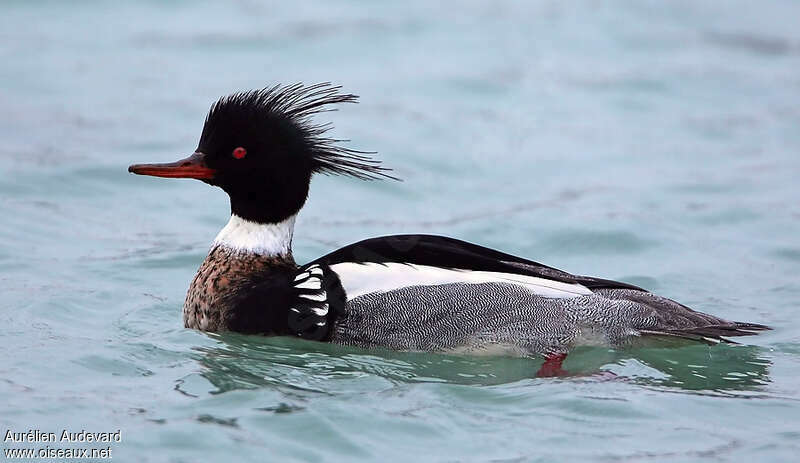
[653, 142]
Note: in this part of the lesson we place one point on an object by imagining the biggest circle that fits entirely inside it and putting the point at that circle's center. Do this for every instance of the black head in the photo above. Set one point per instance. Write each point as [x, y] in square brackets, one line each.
[262, 148]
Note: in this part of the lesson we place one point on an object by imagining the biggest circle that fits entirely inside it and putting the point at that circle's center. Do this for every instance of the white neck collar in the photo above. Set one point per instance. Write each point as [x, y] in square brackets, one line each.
[269, 239]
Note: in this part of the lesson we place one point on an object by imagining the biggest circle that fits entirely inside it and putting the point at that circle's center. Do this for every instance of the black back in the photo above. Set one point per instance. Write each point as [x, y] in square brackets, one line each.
[440, 251]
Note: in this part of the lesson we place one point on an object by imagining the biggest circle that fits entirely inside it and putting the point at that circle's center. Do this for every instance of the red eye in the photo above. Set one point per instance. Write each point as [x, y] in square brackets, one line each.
[239, 153]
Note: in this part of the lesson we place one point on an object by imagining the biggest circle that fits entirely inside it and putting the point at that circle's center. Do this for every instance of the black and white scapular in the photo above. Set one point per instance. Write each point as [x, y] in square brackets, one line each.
[405, 292]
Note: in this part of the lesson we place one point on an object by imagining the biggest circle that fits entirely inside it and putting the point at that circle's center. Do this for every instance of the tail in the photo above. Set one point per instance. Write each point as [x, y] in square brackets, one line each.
[712, 334]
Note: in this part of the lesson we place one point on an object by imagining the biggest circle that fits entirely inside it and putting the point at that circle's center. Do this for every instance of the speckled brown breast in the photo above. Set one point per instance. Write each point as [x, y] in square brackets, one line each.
[223, 273]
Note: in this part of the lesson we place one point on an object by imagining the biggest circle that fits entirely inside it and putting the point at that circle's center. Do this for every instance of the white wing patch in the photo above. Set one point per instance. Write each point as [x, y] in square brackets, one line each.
[359, 279]
[310, 281]
[319, 297]
[321, 311]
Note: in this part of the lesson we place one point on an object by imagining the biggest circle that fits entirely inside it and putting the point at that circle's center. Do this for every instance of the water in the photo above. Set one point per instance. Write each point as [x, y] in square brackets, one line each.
[651, 142]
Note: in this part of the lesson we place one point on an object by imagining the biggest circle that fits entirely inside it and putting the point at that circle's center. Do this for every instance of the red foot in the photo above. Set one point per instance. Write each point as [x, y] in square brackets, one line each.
[552, 366]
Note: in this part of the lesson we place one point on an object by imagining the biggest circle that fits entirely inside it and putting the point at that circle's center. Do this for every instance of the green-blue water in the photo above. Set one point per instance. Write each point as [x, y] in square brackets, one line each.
[652, 142]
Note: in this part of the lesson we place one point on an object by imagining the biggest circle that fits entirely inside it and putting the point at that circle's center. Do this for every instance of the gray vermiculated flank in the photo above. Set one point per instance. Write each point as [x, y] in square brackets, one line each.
[475, 316]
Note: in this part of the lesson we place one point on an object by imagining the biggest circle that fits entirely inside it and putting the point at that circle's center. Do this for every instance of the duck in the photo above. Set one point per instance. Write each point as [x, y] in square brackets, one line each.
[411, 292]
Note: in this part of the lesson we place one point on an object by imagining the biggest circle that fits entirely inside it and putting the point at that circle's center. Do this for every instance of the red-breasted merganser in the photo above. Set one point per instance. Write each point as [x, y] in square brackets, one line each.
[405, 292]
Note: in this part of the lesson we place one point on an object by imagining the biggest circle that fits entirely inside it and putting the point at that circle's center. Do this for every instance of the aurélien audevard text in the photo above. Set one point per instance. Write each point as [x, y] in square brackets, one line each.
[36, 435]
